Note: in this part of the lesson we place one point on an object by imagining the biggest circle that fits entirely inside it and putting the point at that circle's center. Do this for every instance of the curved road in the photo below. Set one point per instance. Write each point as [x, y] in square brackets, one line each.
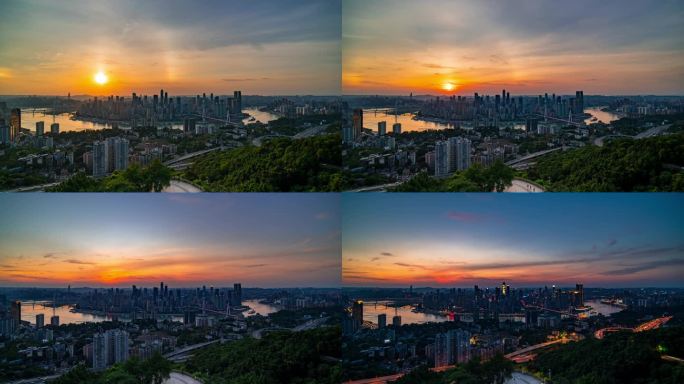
[181, 187]
[179, 378]
[520, 185]
[521, 378]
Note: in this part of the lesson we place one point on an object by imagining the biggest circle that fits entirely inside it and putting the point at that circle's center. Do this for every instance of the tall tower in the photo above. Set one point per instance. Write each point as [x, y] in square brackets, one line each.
[579, 288]
[237, 290]
[15, 124]
[357, 123]
[357, 313]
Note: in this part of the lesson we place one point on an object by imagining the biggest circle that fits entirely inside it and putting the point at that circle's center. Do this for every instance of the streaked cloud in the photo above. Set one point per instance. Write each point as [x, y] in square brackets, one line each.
[263, 47]
[527, 46]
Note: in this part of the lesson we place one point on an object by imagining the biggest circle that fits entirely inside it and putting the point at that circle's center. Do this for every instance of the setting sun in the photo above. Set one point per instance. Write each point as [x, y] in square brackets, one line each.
[101, 78]
[448, 86]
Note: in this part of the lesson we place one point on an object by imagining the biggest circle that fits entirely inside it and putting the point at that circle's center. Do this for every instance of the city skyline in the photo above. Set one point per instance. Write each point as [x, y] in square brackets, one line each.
[401, 47]
[103, 48]
[444, 240]
[267, 241]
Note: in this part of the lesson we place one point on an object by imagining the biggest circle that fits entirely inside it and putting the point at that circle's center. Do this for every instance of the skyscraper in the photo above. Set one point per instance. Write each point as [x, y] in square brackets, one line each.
[237, 289]
[4, 132]
[396, 128]
[442, 349]
[441, 158]
[357, 123]
[458, 154]
[396, 321]
[120, 152]
[54, 128]
[15, 124]
[54, 321]
[109, 348]
[579, 102]
[15, 312]
[100, 158]
[99, 352]
[579, 291]
[40, 128]
[382, 128]
[236, 107]
[40, 320]
[357, 313]
[382, 320]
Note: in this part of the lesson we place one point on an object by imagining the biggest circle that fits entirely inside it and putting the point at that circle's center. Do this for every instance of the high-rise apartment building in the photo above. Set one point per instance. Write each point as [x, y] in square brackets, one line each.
[100, 158]
[458, 149]
[441, 158]
[109, 348]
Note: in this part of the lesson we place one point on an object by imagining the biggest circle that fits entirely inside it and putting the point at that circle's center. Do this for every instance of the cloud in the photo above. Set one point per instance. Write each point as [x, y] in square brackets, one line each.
[612, 242]
[411, 265]
[375, 259]
[237, 80]
[255, 265]
[51, 255]
[644, 267]
[386, 253]
[466, 217]
[76, 261]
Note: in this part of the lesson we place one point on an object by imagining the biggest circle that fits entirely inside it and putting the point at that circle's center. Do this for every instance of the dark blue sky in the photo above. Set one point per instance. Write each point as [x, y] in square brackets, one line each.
[464, 239]
[265, 240]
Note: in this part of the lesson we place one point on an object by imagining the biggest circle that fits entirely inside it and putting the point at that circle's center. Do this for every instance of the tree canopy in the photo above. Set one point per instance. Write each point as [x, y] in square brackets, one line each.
[306, 357]
[623, 165]
[154, 177]
[279, 165]
[474, 179]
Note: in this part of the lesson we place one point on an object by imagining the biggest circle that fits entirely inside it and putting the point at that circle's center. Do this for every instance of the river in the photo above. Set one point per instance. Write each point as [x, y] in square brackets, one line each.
[29, 310]
[371, 117]
[259, 308]
[604, 117]
[604, 309]
[30, 116]
[372, 309]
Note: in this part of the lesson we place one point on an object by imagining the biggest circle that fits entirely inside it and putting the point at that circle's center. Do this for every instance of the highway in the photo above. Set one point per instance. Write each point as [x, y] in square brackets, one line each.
[376, 188]
[34, 188]
[655, 131]
[647, 326]
[311, 324]
[35, 380]
[313, 131]
[190, 348]
[191, 155]
[532, 156]
[180, 378]
[531, 348]
[376, 380]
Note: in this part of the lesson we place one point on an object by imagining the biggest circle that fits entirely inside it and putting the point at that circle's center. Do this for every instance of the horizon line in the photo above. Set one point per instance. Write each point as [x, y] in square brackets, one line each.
[512, 95]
